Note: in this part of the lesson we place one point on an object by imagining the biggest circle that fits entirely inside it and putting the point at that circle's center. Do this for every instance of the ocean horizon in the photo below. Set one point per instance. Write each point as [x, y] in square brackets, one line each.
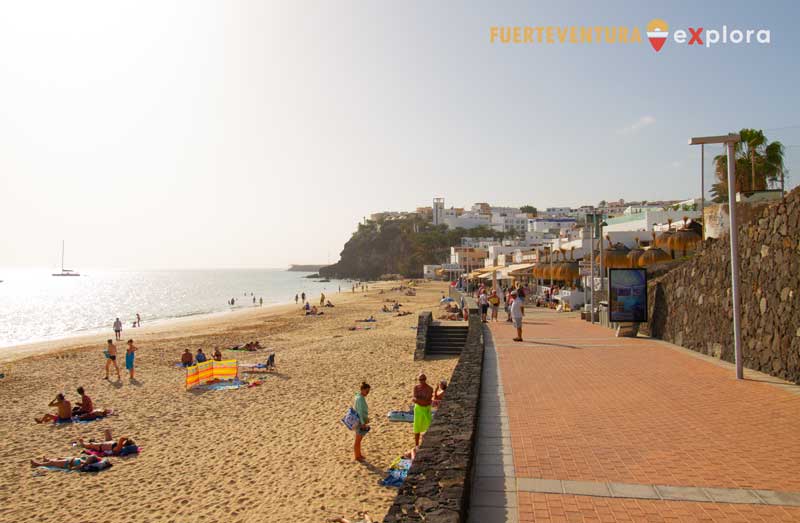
[36, 306]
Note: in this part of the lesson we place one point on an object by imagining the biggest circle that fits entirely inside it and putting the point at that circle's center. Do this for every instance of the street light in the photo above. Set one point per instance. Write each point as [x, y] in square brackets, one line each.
[730, 141]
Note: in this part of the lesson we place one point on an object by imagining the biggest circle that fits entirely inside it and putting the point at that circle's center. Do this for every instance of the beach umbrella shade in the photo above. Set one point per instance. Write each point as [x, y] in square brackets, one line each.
[662, 240]
[634, 255]
[684, 239]
[615, 256]
[569, 268]
[653, 255]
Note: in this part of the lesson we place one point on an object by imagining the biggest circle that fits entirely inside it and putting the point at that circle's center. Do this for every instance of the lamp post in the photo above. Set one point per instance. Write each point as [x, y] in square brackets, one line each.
[591, 258]
[730, 141]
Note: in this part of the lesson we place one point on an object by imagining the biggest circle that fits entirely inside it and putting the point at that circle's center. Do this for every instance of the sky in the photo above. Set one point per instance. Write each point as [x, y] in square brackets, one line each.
[197, 134]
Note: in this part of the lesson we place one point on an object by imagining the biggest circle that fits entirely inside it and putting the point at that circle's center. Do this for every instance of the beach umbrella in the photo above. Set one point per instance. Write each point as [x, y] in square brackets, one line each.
[634, 255]
[653, 255]
[684, 239]
[615, 256]
[662, 240]
[569, 270]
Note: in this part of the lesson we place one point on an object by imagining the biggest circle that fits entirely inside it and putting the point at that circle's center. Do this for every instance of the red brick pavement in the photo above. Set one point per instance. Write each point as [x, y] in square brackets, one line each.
[562, 508]
[584, 405]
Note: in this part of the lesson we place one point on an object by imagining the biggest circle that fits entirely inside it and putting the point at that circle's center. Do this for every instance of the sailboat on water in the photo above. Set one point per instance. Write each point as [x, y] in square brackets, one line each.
[65, 272]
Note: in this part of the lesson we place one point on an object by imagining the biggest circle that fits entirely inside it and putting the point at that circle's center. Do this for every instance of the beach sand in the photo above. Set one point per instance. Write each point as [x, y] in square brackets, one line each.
[275, 452]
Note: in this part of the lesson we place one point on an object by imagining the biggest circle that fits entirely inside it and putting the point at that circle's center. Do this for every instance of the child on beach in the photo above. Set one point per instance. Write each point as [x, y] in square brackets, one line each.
[130, 355]
[360, 406]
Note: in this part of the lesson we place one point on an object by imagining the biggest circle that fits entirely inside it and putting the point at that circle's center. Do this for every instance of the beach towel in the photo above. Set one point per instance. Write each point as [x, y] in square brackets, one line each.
[400, 415]
[75, 419]
[397, 472]
[94, 467]
[351, 419]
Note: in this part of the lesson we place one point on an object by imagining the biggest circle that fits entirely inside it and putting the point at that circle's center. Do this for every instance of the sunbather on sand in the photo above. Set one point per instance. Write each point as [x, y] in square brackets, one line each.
[64, 412]
[68, 463]
[109, 445]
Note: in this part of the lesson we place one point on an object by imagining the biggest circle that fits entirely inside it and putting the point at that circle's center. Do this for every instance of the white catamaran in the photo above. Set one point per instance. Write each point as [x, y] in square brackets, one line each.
[65, 272]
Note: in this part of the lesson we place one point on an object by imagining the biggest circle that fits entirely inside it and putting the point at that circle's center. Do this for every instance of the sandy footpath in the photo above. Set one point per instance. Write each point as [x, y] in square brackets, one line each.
[276, 452]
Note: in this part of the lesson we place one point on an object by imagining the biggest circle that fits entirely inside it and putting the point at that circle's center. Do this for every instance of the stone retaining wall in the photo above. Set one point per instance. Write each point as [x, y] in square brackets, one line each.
[691, 304]
[423, 322]
[437, 487]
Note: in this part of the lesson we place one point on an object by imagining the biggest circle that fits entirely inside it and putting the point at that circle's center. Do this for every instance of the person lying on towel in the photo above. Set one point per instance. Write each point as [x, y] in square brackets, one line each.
[109, 445]
[68, 463]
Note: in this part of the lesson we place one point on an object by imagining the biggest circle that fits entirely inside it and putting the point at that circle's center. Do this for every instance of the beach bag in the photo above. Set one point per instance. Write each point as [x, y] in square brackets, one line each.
[351, 419]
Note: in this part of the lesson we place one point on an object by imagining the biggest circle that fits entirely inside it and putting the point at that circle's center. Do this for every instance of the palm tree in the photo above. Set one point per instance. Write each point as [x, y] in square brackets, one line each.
[758, 163]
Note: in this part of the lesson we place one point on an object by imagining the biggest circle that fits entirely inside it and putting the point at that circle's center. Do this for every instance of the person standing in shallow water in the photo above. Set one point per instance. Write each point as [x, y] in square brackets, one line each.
[360, 406]
[118, 329]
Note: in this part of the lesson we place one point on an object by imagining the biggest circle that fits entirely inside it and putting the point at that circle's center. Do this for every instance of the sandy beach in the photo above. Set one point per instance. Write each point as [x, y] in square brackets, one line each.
[274, 452]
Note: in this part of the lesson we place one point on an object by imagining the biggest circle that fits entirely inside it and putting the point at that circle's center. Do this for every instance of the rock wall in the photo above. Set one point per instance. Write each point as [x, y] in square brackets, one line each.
[437, 487]
[423, 322]
[691, 305]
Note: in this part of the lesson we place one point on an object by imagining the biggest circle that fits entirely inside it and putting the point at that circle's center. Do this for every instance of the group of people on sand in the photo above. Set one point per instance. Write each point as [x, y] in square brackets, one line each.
[423, 397]
[93, 453]
[83, 410]
[187, 360]
[111, 358]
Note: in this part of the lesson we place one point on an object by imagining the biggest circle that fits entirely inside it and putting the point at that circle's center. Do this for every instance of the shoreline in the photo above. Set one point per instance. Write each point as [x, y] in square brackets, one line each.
[203, 322]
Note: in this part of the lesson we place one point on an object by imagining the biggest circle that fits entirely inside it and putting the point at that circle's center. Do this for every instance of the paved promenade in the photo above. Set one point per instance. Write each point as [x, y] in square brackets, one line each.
[578, 425]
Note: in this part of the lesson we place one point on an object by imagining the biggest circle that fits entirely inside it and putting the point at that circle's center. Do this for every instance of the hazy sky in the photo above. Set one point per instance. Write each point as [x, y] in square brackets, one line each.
[257, 134]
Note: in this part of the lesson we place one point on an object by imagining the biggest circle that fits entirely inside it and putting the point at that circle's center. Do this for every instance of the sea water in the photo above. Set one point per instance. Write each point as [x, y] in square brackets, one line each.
[36, 306]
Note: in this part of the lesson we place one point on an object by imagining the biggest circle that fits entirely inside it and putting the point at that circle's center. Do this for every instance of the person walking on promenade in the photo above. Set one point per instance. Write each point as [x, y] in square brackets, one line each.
[483, 302]
[423, 397]
[517, 311]
[494, 303]
[130, 355]
[111, 358]
[360, 406]
[118, 329]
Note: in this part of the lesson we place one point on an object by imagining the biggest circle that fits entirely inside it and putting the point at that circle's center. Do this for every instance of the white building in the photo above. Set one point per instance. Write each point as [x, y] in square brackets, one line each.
[504, 222]
[438, 209]
[550, 224]
[467, 220]
[645, 220]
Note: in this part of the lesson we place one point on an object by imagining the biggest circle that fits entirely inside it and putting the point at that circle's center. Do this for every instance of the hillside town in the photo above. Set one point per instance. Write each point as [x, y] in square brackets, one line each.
[549, 248]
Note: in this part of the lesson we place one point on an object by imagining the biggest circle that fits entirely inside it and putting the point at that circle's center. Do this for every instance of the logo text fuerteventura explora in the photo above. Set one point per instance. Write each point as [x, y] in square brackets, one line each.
[657, 33]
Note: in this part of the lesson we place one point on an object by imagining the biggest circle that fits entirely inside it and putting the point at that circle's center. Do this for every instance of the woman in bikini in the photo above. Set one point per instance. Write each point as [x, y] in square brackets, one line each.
[65, 463]
[109, 445]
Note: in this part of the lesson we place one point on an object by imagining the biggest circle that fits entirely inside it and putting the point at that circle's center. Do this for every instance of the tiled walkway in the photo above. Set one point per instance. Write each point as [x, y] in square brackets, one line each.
[618, 429]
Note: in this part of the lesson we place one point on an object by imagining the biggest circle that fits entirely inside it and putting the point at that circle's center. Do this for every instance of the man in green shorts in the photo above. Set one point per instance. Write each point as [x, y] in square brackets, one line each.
[423, 397]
